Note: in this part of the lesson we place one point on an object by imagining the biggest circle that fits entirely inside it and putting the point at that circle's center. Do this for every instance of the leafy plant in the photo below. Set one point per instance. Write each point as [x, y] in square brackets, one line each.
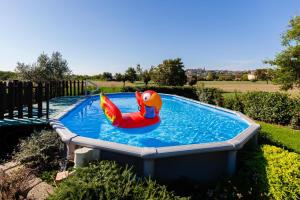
[287, 73]
[234, 102]
[41, 151]
[210, 95]
[170, 72]
[269, 107]
[283, 173]
[45, 69]
[106, 180]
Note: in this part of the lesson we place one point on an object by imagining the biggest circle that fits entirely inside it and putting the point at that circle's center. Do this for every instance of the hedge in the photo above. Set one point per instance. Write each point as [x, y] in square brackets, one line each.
[106, 180]
[269, 107]
[210, 95]
[185, 91]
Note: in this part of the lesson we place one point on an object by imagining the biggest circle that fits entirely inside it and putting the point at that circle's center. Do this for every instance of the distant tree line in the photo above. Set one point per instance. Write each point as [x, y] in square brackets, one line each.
[263, 74]
[169, 72]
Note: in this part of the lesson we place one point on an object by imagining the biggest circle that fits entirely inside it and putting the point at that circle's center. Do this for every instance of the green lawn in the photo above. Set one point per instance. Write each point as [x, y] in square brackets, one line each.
[281, 136]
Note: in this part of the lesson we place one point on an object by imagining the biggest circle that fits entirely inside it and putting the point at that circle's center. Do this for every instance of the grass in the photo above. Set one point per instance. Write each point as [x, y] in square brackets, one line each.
[245, 86]
[280, 136]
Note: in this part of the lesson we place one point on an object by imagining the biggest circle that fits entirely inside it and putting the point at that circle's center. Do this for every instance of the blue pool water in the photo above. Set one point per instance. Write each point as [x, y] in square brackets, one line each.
[182, 122]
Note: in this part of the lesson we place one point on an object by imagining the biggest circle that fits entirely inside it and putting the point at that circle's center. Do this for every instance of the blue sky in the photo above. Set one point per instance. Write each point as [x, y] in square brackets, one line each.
[97, 36]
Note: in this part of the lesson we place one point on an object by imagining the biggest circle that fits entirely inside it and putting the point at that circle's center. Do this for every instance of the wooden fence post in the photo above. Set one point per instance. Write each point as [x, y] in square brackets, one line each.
[59, 88]
[67, 88]
[29, 95]
[50, 89]
[2, 96]
[10, 100]
[71, 93]
[56, 88]
[74, 90]
[40, 99]
[78, 88]
[82, 90]
[20, 99]
[47, 99]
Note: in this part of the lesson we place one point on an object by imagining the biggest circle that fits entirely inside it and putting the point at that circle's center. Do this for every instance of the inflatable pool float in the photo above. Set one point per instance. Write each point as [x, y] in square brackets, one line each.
[149, 106]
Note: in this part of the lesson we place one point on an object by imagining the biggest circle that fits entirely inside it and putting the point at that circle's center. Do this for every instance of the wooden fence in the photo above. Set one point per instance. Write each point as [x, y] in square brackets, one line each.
[25, 99]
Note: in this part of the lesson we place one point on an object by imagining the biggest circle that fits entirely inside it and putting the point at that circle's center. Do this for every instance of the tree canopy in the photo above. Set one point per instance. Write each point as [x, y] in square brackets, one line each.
[287, 72]
[45, 69]
[131, 75]
[170, 72]
[107, 76]
[146, 76]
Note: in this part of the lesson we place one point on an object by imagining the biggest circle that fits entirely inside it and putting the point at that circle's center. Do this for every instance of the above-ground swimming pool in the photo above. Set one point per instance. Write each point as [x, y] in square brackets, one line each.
[191, 136]
[182, 122]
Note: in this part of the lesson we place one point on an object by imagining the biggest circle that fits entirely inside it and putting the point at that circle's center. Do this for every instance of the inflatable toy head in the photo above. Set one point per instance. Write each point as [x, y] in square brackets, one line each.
[150, 103]
[152, 99]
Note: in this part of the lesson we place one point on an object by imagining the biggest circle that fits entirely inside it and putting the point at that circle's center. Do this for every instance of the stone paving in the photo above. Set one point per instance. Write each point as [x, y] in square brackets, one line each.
[35, 188]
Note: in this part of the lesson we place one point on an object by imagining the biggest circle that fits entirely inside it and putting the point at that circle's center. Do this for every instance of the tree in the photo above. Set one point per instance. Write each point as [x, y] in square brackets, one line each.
[170, 72]
[245, 77]
[210, 76]
[131, 75]
[139, 72]
[45, 69]
[124, 79]
[118, 77]
[192, 80]
[146, 77]
[107, 76]
[287, 73]
[264, 74]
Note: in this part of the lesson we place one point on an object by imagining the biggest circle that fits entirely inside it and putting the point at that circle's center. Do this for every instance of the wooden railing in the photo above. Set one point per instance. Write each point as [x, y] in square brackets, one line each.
[25, 99]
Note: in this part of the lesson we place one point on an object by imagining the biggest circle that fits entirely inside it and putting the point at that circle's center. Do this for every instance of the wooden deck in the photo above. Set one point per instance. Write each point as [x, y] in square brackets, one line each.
[56, 105]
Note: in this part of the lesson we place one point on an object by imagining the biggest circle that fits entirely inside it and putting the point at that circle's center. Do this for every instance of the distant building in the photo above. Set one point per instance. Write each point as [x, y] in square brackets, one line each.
[252, 76]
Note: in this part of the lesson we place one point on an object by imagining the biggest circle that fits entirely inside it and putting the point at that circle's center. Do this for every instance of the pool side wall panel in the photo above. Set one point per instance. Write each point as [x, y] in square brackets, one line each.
[201, 167]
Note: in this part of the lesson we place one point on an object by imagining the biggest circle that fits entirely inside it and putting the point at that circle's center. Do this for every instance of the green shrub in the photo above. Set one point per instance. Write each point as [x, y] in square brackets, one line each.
[282, 172]
[234, 102]
[268, 173]
[185, 91]
[295, 121]
[274, 173]
[106, 180]
[41, 151]
[210, 95]
[269, 107]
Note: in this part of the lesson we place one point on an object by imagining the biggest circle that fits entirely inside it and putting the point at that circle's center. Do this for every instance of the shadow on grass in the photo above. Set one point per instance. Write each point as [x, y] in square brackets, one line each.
[264, 138]
[250, 181]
